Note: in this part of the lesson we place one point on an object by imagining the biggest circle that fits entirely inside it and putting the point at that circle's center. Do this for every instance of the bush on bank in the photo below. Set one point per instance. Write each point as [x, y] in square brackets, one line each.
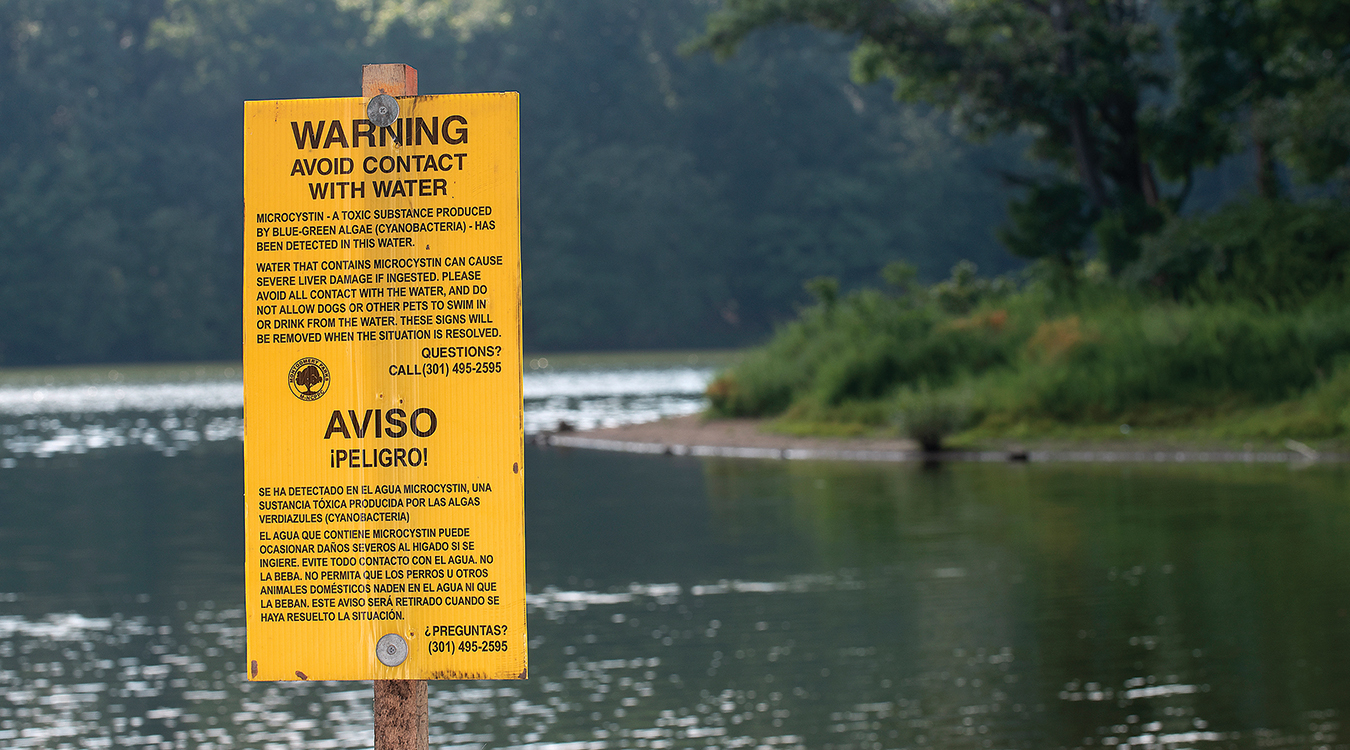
[1237, 313]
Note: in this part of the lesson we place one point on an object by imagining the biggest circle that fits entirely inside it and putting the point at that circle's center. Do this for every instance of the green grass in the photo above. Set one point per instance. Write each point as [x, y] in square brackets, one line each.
[1212, 356]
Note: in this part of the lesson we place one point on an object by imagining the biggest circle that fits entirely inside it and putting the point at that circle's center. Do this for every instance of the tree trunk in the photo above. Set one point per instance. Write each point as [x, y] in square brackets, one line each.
[1080, 132]
[1149, 184]
[1084, 155]
[1267, 173]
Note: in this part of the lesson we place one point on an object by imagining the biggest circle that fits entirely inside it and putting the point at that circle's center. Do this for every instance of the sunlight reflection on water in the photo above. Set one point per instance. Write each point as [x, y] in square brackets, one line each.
[134, 680]
[585, 399]
[115, 397]
[652, 665]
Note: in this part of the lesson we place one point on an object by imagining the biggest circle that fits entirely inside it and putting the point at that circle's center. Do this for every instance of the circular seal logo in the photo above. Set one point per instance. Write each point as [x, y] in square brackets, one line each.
[308, 379]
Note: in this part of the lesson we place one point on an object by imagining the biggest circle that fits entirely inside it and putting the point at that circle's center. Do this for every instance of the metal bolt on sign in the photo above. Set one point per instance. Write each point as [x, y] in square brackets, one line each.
[382, 110]
[391, 650]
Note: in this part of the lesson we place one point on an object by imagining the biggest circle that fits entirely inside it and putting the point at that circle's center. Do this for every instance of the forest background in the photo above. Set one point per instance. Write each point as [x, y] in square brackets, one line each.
[669, 200]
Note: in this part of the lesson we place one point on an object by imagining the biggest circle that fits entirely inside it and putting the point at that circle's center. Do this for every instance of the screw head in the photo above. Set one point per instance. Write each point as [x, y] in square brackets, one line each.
[391, 649]
[382, 109]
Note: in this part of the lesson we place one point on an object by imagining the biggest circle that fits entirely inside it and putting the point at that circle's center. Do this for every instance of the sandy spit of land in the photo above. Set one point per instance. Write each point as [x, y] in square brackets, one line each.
[695, 430]
[747, 438]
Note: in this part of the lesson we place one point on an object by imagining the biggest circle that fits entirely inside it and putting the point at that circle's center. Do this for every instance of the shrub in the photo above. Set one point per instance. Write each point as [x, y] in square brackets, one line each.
[928, 416]
[1225, 340]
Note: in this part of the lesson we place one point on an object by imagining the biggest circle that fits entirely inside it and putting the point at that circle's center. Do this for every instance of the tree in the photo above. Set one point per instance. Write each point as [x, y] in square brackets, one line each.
[308, 377]
[1071, 73]
[1265, 74]
[1310, 123]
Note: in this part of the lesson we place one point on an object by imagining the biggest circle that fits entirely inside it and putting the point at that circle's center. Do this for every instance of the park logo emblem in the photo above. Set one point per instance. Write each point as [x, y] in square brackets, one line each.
[308, 379]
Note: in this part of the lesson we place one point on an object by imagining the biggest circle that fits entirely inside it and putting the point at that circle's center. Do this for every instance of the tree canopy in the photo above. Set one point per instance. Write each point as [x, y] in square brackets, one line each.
[1111, 91]
[667, 200]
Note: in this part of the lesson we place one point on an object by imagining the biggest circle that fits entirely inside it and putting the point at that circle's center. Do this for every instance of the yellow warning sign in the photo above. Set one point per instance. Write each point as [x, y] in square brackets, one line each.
[383, 448]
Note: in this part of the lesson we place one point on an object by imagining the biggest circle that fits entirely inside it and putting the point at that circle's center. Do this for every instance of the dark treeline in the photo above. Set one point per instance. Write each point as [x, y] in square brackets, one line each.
[668, 200]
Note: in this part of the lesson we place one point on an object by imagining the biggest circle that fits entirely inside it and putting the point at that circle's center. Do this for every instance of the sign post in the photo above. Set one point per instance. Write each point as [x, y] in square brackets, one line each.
[383, 449]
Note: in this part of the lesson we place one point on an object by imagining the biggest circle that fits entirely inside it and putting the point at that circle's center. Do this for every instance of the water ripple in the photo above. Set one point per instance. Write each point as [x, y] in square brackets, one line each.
[112, 398]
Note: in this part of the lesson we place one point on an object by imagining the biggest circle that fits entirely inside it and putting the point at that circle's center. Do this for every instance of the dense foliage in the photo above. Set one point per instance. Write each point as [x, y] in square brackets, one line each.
[1117, 95]
[668, 200]
[1239, 311]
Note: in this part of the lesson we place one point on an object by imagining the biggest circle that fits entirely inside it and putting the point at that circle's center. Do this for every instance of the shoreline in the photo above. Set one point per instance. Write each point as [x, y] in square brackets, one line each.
[745, 438]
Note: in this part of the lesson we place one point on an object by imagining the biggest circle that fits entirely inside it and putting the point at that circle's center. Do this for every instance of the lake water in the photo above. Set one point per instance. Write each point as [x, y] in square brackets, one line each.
[678, 602]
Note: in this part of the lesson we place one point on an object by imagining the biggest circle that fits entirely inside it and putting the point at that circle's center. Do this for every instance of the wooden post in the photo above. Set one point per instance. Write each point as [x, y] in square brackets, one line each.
[400, 715]
[400, 705]
[394, 79]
